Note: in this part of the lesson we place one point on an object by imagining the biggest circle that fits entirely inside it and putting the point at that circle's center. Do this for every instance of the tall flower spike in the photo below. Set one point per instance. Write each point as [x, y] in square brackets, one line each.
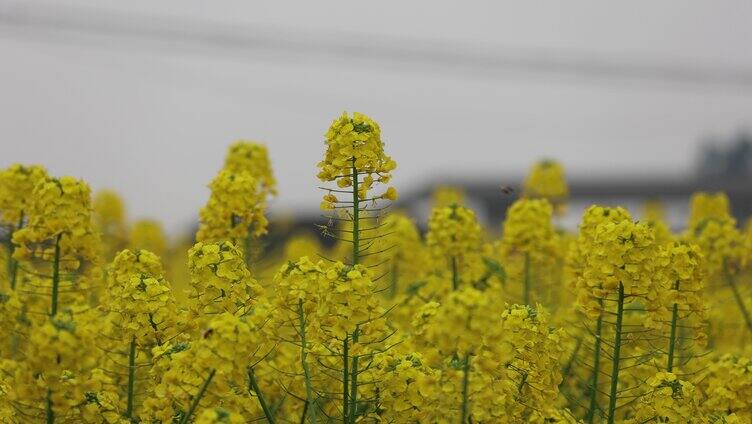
[704, 206]
[220, 281]
[454, 237]
[669, 400]
[301, 244]
[408, 388]
[140, 314]
[235, 210]
[354, 142]
[298, 288]
[621, 270]
[725, 257]
[679, 313]
[653, 210]
[722, 244]
[354, 328]
[402, 255]
[59, 233]
[593, 216]
[446, 196]
[295, 335]
[590, 308]
[148, 234]
[109, 217]
[728, 388]
[356, 161]
[16, 182]
[547, 180]
[529, 245]
[51, 383]
[623, 254]
[141, 298]
[213, 370]
[252, 158]
[61, 209]
[476, 347]
[132, 262]
[654, 213]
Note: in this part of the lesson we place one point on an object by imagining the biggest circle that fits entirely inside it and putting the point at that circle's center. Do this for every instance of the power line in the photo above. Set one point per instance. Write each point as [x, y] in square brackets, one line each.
[52, 24]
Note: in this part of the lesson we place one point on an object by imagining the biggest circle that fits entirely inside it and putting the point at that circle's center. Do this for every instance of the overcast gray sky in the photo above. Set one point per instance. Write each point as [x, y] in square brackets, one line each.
[144, 96]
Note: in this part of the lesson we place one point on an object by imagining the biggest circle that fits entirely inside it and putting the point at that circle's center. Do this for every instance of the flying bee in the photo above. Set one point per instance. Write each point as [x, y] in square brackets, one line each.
[507, 190]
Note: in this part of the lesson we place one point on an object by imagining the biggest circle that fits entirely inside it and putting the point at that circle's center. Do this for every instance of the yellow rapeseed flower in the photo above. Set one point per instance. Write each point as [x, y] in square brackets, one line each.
[454, 238]
[547, 180]
[147, 234]
[61, 210]
[16, 183]
[220, 280]
[354, 149]
[703, 206]
[253, 158]
[234, 211]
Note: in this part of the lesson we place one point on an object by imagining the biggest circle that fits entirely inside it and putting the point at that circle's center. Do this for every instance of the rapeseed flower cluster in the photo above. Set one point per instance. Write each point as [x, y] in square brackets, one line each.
[105, 319]
[530, 248]
[446, 196]
[16, 182]
[703, 206]
[455, 241]
[147, 234]
[252, 158]
[236, 209]
[220, 280]
[354, 148]
[109, 218]
[59, 224]
[547, 180]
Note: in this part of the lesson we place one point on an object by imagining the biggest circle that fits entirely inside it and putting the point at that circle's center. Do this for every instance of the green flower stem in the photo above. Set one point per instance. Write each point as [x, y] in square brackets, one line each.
[526, 286]
[354, 382]
[13, 277]
[262, 401]
[306, 368]
[616, 356]
[455, 274]
[55, 276]
[523, 380]
[672, 337]
[305, 413]
[568, 367]
[393, 280]
[50, 414]
[350, 411]
[187, 417]
[131, 378]
[356, 217]
[738, 297]
[248, 242]
[596, 367]
[12, 263]
[345, 380]
[12, 269]
[464, 409]
[681, 354]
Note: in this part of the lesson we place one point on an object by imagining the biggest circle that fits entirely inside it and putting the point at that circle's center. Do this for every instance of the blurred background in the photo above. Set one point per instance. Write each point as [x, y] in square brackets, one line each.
[646, 99]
